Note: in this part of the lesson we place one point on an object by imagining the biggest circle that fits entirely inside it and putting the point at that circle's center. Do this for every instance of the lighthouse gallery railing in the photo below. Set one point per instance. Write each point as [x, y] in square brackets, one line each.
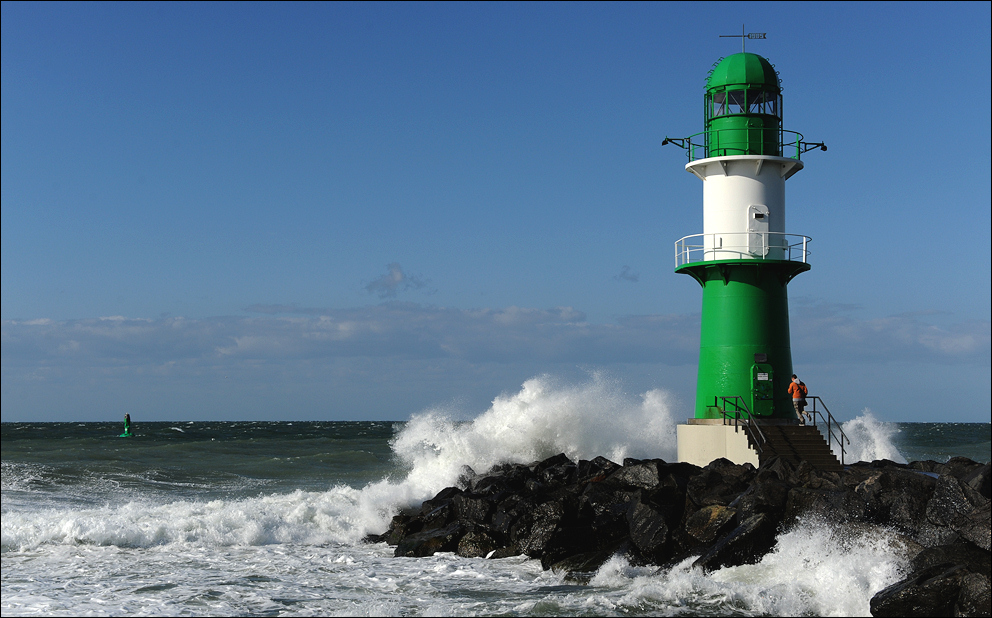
[744, 141]
[741, 246]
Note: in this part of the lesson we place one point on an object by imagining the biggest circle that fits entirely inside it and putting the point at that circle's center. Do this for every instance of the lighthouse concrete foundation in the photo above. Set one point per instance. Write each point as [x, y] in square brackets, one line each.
[703, 440]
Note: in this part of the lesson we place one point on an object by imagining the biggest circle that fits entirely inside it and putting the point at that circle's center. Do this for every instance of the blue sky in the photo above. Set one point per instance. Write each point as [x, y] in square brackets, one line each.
[358, 211]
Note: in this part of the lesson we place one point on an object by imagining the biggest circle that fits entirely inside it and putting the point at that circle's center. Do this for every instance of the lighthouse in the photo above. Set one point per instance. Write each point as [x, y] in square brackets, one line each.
[744, 260]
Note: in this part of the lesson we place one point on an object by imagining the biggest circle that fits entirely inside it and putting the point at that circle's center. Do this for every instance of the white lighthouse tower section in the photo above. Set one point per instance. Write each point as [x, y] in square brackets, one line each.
[744, 206]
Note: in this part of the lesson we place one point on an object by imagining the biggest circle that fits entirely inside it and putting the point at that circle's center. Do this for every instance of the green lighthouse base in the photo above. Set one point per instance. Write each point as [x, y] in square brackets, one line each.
[745, 355]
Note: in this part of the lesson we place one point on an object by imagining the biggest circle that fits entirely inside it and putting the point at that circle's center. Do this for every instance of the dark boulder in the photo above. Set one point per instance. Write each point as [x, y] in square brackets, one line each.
[745, 544]
[477, 543]
[931, 592]
[648, 530]
[947, 502]
[980, 479]
[596, 470]
[573, 517]
[546, 519]
[472, 509]
[720, 482]
[635, 474]
[428, 542]
[976, 526]
[767, 496]
[581, 568]
[709, 523]
[975, 597]
[512, 514]
[958, 467]
[965, 554]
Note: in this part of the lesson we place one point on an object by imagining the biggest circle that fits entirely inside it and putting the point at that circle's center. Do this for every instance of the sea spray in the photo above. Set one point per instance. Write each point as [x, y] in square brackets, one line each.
[545, 418]
[816, 568]
[870, 440]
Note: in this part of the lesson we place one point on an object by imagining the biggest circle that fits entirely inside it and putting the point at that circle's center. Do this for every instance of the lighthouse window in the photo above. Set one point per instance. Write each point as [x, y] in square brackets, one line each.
[743, 102]
[732, 102]
[763, 103]
[719, 104]
[735, 102]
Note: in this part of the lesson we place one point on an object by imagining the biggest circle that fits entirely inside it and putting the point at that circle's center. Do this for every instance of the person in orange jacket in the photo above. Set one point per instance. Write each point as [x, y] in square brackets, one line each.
[799, 391]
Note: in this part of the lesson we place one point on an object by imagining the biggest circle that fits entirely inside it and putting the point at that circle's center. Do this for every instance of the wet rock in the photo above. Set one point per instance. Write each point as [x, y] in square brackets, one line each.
[975, 597]
[506, 552]
[402, 525]
[558, 475]
[948, 502]
[834, 506]
[980, 479]
[429, 542]
[472, 509]
[964, 554]
[648, 530]
[931, 592]
[582, 567]
[746, 544]
[709, 522]
[574, 516]
[976, 526]
[769, 496]
[930, 535]
[720, 482]
[512, 513]
[546, 519]
[596, 470]
[958, 467]
[476, 543]
[635, 475]
[558, 460]
[778, 468]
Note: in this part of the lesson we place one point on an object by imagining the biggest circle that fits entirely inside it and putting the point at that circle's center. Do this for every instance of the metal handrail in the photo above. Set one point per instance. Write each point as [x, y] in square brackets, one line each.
[749, 423]
[830, 421]
[790, 247]
[791, 140]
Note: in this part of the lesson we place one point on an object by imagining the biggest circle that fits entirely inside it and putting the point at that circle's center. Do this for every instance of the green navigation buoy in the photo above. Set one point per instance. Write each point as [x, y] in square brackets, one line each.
[127, 427]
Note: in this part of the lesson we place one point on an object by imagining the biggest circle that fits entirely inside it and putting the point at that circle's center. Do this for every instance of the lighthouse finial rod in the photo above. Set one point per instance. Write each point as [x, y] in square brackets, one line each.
[744, 37]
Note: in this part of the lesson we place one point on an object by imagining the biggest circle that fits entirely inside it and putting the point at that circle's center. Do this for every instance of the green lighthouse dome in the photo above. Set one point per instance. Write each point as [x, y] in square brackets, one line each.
[743, 104]
[743, 71]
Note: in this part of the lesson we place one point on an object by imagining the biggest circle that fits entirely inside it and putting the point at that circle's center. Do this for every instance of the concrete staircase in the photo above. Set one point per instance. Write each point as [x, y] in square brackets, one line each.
[798, 443]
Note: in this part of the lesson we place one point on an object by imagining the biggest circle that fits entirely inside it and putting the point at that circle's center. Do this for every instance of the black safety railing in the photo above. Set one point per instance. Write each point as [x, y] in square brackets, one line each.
[831, 424]
[739, 417]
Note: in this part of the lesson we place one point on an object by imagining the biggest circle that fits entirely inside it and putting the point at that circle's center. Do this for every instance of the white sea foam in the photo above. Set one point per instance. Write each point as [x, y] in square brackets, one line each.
[815, 569]
[871, 440]
[543, 419]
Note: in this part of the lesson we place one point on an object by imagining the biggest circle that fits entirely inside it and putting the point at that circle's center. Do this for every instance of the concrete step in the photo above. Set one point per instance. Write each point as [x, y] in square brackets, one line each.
[798, 443]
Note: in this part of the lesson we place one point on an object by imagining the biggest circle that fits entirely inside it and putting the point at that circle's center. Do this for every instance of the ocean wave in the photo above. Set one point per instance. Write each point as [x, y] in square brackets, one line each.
[816, 568]
[871, 440]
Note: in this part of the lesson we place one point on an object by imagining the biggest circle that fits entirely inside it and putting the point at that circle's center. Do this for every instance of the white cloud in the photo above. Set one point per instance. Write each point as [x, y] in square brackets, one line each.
[395, 280]
[388, 360]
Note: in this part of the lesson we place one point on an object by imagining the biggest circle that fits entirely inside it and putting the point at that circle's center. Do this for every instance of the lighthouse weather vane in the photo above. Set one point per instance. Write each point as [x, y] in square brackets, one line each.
[744, 37]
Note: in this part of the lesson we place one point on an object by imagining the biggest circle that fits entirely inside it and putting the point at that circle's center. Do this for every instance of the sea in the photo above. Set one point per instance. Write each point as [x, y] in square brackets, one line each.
[267, 518]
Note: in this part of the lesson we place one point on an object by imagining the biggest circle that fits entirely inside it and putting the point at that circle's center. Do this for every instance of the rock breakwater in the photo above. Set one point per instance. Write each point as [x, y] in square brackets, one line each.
[573, 516]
